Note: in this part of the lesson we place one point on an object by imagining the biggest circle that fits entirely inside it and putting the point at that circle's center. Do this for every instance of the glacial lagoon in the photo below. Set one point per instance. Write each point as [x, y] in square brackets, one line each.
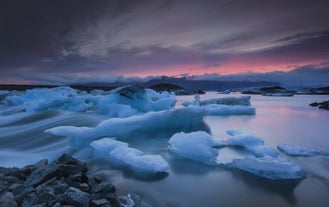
[188, 183]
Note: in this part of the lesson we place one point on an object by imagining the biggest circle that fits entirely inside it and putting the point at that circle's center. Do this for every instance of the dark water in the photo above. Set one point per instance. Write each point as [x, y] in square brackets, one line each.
[278, 120]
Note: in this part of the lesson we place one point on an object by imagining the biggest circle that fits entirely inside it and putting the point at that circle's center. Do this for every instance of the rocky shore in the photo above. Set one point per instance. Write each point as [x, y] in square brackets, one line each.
[321, 105]
[64, 182]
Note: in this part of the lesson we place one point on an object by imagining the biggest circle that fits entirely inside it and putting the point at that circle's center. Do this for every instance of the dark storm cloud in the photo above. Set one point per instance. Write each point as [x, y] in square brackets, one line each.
[118, 36]
[32, 32]
[302, 47]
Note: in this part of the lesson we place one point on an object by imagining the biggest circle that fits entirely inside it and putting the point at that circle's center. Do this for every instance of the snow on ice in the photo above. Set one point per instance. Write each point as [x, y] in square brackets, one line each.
[251, 143]
[119, 153]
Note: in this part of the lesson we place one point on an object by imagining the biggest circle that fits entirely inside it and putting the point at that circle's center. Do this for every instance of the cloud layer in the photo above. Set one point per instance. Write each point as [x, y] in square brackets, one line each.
[83, 38]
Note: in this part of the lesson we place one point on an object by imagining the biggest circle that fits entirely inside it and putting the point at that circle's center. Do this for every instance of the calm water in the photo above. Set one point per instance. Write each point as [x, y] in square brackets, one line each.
[278, 120]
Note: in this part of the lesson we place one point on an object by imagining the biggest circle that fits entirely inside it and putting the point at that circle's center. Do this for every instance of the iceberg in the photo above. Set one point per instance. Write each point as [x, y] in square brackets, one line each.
[135, 159]
[142, 99]
[197, 146]
[102, 147]
[220, 109]
[242, 100]
[269, 168]
[120, 102]
[166, 123]
[41, 99]
[251, 143]
[301, 151]
[223, 106]
[115, 109]
[119, 153]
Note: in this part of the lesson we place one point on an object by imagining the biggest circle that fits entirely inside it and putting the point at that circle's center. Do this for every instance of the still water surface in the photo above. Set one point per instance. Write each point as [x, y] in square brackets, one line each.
[278, 120]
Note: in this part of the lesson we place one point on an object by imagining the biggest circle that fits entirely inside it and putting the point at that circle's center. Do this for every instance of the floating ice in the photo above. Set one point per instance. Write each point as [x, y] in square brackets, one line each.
[135, 159]
[143, 99]
[102, 147]
[195, 146]
[121, 102]
[150, 124]
[219, 109]
[116, 110]
[242, 100]
[269, 168]
[41, 99]
[301, 151]
[251, 143]
[186, 103]
[119, 153]
[223, 106]
[3, 94]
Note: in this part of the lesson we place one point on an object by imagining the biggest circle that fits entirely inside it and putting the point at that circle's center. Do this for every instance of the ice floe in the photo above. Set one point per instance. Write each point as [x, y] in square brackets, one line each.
[251, 143]
[197, 146]
[121, 102]
[119, 153]
[223, 106]
[242, 100]
[219, 109]
[301, 151]
[269, 168]
[166, 122]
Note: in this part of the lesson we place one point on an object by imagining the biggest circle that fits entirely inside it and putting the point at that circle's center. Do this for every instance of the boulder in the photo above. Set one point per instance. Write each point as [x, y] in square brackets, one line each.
[76, 197]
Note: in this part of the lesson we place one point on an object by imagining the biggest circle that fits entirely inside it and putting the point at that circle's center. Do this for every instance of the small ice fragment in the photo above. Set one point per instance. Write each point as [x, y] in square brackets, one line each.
[195, 146]
[301, 151]
[269, 168]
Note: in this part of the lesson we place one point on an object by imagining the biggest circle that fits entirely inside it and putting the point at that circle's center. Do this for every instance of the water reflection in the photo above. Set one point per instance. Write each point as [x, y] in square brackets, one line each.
[283, 188]
[182, 166]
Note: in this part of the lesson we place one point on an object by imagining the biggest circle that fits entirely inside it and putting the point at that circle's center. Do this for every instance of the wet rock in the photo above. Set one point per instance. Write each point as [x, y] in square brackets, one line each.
[48, 198]
[18, 189]
[84, 187]
[69, 165]
[99, 202]
[321, 105]
[76, 197]
[63, 183]
[11, 179]
[41, 175]
[7, 200]
[60, 187]
[103, 188]
[133, 200]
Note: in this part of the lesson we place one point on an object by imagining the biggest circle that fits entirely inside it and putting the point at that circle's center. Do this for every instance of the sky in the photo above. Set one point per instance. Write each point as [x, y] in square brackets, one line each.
[62, 42]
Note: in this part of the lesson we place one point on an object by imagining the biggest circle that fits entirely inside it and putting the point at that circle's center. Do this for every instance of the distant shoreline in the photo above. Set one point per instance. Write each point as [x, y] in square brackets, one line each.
[11, 87]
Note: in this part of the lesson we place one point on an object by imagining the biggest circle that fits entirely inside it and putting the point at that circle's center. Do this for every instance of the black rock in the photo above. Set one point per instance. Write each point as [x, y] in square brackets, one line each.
[69, 165]
[63, 183]
[103, 188]
[99, 202]
[48, 198]
[133, 200]
[321, 105]
[314, 104]
[42, 175]
[60, 187]
[7, 200]
[76, 197]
